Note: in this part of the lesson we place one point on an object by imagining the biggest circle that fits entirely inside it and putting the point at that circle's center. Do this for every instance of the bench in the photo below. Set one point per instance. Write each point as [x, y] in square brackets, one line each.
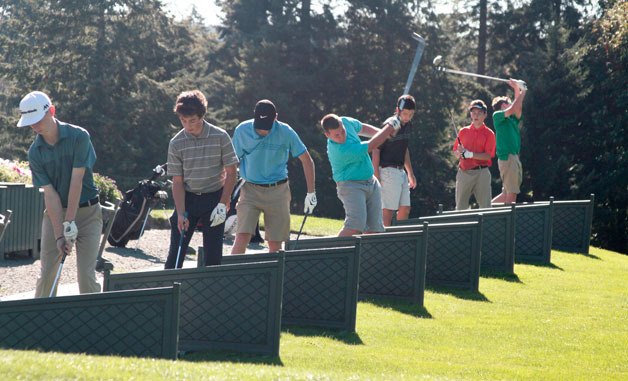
[142, 323]
[227, 307]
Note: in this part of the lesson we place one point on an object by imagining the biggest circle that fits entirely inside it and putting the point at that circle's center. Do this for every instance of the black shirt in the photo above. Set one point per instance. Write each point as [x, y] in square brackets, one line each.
[393, 151]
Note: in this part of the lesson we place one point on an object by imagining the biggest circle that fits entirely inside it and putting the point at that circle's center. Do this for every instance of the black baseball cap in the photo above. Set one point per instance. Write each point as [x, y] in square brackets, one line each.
[265, 114]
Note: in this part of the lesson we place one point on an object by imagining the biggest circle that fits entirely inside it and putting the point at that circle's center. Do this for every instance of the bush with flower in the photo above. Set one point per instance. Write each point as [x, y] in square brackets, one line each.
[19, 172]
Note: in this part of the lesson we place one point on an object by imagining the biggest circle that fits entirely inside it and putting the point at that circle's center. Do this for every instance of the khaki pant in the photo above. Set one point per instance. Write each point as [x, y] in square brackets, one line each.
[274, 201]
[475, 182]
[89, 223]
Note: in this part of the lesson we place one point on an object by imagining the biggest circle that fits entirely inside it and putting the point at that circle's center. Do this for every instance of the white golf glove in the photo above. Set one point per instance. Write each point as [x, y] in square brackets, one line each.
[467, 154]
[522, 85]
[219, 214]
[160, 170]
[394, 122]
[70, 231]
[310, 203]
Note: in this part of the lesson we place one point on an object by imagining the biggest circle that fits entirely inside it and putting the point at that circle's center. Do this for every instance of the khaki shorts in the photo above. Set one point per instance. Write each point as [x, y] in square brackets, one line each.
[511, 174]
[274, 201]
[395, 188]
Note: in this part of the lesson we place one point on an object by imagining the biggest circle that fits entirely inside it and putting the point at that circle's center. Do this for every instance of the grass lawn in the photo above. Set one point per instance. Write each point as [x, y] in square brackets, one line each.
[561, 322]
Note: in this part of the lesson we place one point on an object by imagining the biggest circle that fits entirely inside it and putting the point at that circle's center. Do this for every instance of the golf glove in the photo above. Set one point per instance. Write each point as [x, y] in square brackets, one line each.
[219, 214]
[310, 203]
[394, 122]
[467, 154]
[522, 85]
[70, 231]
[160, 170]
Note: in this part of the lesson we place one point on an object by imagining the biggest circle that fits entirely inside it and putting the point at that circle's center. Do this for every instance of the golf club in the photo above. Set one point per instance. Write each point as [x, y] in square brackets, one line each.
[453, 125]
[438, 59]
[300, 230]
[54, 284]
[415, 64]
[176, 264]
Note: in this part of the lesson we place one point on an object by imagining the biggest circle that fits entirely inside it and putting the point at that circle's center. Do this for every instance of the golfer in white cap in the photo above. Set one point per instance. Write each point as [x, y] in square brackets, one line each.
[61, 159]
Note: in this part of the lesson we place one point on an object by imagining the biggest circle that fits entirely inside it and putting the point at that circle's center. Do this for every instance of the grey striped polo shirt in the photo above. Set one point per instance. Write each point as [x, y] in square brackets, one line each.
[201, 160]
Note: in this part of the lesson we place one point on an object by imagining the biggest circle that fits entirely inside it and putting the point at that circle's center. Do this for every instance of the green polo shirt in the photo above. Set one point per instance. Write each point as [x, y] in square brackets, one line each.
[507, 135]
[54, 164]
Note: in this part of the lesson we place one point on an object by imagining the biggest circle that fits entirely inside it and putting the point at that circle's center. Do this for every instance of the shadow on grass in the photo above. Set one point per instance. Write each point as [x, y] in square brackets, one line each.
[539, 264]
[129, 252]
[459, 293]
[495, 274]
[404, 307]
[228, 356]
[350, 338]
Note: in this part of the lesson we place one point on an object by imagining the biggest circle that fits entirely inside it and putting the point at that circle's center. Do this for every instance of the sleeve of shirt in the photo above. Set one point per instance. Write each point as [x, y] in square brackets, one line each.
[40, 178]
[498, 118]
[175, 163]
[229, 157]
[297, 148]
[352, 123]
[84, 154]
[237, 146]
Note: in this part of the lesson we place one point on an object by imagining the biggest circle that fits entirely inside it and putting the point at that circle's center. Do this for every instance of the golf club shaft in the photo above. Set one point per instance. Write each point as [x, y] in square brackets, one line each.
[54, 284]
[300, 230]
[176, 264]
[415, 62]
[453, 125]
[446, 70]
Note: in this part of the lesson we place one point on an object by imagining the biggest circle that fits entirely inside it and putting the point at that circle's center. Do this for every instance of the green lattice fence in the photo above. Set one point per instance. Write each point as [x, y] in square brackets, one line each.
[498, 235]
[141, 323]
[24, 231]
[320, 286]
[453, 253]
[392, 265]
[227, 307]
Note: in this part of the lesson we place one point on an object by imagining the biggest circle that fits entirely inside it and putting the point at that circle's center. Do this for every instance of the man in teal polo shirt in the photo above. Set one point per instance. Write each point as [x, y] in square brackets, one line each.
[357, 187]
[506, 119]
[61, 159]
[264, 145]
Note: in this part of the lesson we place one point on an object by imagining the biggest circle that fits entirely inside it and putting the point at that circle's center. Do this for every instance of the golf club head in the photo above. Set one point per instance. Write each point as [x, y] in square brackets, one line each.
[417, 37]
[437, 60]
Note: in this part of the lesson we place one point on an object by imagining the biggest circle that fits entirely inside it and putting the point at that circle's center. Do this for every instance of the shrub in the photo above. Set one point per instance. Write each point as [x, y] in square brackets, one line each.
[107, 188]
[15, 172]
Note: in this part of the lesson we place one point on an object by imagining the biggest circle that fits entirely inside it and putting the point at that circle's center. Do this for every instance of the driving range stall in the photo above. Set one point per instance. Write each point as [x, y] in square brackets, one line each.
[453, 253]
[498, 235]
[320, 286]
[392, 265]
[142, 323]
[23, 233]
[228, 307]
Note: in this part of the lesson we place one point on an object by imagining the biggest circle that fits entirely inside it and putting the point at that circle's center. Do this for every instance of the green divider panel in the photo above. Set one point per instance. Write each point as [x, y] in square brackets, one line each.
[226, 307]
[27, 204]
[392, 265]
[141, 323]
[320, 286]
[533, 230]
[571, 224]
[453, 253]
[498, 235]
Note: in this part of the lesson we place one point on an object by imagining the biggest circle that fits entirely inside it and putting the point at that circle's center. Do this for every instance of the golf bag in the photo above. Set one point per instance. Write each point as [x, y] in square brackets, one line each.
[131, 217]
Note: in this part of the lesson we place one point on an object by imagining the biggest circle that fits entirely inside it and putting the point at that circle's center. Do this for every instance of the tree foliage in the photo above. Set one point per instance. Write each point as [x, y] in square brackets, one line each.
[116, 66]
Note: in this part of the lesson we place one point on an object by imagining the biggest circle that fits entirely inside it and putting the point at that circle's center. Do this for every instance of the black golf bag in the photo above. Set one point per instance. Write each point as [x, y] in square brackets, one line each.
[131, 216]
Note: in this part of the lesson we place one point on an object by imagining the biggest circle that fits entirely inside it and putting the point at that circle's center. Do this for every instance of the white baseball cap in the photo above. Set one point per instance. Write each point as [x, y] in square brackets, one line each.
[33, 107]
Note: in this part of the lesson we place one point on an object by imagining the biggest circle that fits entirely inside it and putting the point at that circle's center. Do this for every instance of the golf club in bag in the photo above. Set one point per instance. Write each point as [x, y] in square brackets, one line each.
[130, 219]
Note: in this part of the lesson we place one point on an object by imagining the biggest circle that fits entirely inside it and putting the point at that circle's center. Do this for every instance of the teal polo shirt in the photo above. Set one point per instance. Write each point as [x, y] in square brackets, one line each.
[53, 164]
[350, 161]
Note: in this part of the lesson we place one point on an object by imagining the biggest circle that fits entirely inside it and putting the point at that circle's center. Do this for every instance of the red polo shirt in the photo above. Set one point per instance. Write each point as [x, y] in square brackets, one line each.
[476, 140]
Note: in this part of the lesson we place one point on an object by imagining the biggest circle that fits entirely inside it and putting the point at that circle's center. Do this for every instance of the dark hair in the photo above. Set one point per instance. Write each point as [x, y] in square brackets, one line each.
[330, 122]
[191, 103]
[498, 102]
[478, 102]
[408, 102]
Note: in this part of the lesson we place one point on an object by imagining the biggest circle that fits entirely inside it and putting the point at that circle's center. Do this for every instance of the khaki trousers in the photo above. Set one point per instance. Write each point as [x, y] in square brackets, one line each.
[475, 182]
[89, 223]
